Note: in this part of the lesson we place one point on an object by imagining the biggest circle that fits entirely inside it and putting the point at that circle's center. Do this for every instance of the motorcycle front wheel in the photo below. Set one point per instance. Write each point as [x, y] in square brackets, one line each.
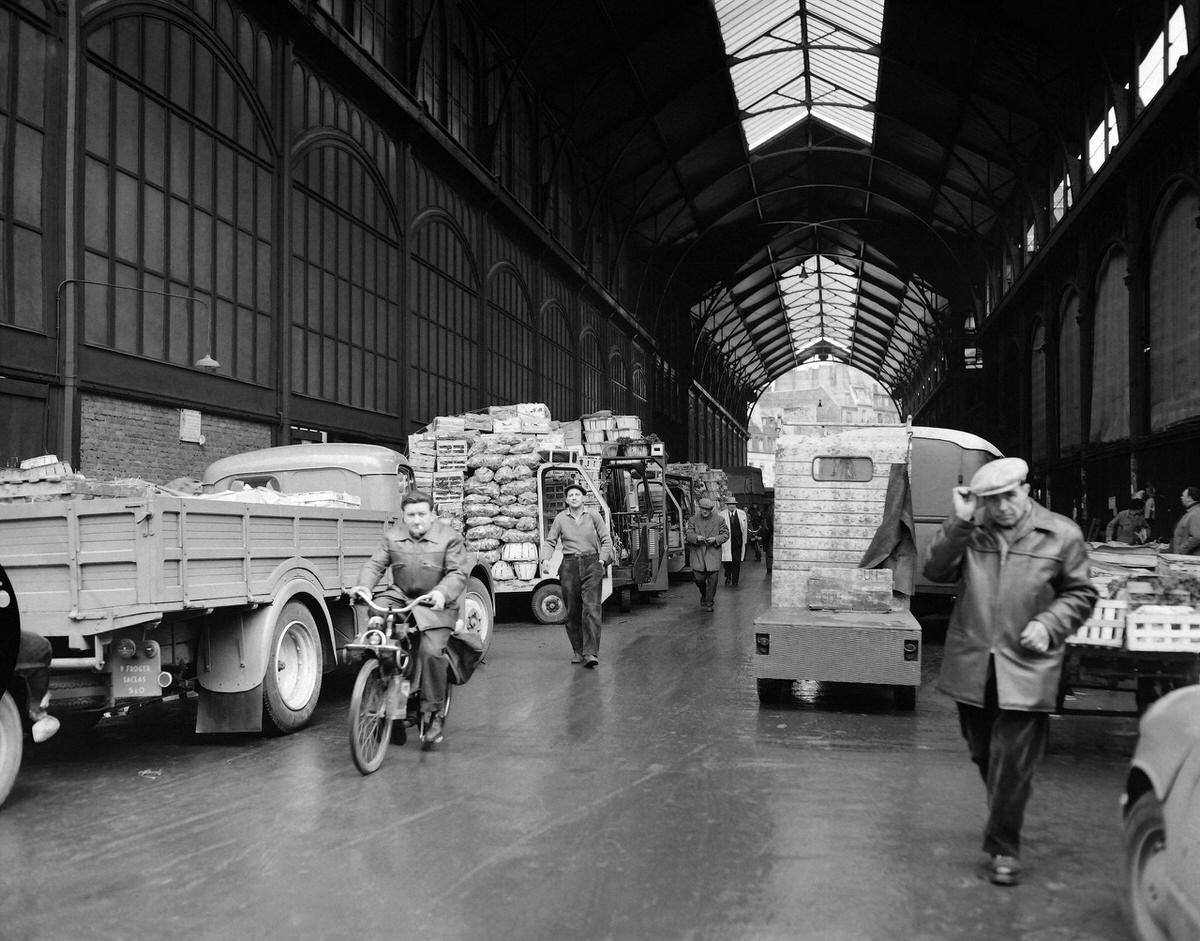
[370, 728]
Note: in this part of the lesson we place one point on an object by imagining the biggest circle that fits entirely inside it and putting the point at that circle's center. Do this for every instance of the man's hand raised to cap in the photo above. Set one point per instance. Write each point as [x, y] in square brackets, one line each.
[965, 503]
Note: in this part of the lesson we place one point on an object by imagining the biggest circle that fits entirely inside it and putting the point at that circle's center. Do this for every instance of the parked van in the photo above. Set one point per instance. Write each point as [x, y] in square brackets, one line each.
[940, 460]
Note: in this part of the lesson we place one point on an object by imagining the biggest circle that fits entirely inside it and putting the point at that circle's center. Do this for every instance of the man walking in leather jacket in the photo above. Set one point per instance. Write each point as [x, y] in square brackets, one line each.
[1024, 590]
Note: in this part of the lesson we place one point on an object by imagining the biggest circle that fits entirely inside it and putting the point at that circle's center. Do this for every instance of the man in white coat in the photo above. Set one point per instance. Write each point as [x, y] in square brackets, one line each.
[734, 551]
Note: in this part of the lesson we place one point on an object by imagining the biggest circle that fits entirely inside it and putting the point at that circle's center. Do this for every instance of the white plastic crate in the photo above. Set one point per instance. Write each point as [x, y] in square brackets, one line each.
[1155, 629]
[1106, 626]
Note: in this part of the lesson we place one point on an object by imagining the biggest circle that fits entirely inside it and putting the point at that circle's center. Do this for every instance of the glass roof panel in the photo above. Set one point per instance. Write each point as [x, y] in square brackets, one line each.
[791, 59]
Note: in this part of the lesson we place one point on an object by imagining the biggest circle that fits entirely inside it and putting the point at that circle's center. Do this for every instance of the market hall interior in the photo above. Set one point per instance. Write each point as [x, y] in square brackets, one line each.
[652, 797]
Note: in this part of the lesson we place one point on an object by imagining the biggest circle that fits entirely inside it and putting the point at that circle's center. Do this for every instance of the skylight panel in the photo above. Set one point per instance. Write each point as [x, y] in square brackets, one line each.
[802, 58]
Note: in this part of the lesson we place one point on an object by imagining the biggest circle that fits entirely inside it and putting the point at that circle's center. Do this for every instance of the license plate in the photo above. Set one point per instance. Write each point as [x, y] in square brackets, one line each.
[136, 678]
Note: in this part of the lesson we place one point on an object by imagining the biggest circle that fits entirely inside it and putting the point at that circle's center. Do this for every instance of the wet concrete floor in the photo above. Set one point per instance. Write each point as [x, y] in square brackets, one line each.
[650, 799]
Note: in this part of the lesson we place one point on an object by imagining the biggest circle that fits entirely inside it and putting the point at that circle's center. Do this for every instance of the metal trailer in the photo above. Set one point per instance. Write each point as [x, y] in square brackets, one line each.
[677, 497]
[153, 594]
[639, 524]
[830, 621]
[545, 591]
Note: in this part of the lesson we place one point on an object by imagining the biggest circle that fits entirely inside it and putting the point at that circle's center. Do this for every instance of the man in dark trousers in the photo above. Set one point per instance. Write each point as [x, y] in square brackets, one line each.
[587, 548]
[706, 531]
[733, 553]
[430, 565]
[1024, 590]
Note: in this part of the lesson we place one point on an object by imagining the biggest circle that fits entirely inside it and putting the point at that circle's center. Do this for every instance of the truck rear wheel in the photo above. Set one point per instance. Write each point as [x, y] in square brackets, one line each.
[906, 697]
[12, 743]
[771, 691]
[294, 667]
[478, 613]
[548, 604]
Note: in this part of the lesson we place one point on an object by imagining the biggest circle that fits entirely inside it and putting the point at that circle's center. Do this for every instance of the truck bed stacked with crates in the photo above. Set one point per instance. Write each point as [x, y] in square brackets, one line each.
[235, 593]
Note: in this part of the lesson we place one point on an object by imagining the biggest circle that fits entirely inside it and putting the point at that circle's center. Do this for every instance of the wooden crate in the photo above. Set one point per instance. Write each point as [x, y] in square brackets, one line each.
[1106, 626]
[1163, 632]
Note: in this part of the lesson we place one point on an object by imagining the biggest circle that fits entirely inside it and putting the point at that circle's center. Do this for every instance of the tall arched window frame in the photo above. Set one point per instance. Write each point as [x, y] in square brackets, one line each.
[591, 371]
[1037, 393]
[345, 282]
[1174, 285]
[443, 331]
[1069, 415]
[179, 191]
[1110, 352]
[558, 362]
[23, 129]
[510, 371]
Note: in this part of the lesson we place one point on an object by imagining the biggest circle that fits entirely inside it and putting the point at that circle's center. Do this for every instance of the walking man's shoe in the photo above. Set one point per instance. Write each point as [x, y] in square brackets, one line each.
[433, 731]
[591, 661]
[577, 657]
[1004, 870]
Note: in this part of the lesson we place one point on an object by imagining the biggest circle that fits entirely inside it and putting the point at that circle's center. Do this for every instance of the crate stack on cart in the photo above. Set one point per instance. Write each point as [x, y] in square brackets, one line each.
[1145, 627]
[481, 469]
[609, 435]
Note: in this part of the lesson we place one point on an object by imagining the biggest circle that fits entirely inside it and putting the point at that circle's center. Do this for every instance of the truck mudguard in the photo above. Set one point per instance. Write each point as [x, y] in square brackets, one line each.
[235, 646]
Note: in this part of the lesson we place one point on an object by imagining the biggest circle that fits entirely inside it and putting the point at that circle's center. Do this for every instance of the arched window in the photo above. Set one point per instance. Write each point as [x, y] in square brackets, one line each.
[346, 343]
[1068, 376]
[510, 366]
[1174, 327]
[462, 79]
[591, 369]
[1110, 353]
[23, 126]
[618, 384]
[1037, 394]
[558, 363]
[443, 330]
[179, 197]
[516, 148]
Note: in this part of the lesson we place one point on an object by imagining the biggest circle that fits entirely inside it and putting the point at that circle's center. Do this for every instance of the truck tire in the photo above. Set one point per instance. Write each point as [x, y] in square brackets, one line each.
[548, 604]
[12, 743]
[294, 668]
[625, 599]
[771, 691]
[478, 612]
[906, 697]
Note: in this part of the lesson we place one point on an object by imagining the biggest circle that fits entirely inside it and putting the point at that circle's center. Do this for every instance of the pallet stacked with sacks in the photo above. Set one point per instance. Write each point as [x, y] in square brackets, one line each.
[482, 471]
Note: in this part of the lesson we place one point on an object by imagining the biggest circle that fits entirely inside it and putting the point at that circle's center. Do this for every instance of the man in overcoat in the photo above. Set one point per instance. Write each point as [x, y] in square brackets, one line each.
[1024, 590]
[705, 533]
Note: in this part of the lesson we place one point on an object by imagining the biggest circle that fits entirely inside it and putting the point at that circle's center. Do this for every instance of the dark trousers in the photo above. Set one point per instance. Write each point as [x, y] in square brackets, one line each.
[1006, 745]
[431, 667]
[707, 583]
[581, 576]
[733, 571]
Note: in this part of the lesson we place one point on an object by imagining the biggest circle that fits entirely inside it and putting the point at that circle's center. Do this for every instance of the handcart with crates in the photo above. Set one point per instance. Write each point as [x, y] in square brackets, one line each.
[1143, 635]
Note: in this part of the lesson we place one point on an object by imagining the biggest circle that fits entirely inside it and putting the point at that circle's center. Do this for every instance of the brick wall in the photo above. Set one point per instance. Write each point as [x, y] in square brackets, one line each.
[122, 438]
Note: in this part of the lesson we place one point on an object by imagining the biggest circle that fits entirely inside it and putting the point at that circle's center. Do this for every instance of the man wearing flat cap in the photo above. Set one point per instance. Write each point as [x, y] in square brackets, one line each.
[705, 534]
[587, 547]
[1024, 589]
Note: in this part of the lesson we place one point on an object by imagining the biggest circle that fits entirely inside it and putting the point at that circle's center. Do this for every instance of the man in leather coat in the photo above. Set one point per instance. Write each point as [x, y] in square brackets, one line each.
[1024, 589]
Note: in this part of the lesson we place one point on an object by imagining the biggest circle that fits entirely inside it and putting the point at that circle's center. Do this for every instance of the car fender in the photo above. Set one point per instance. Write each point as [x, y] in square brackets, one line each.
[1170, 721]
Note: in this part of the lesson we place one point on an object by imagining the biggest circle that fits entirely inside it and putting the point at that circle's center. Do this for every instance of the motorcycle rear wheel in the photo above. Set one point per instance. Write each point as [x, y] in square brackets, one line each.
[370, 728]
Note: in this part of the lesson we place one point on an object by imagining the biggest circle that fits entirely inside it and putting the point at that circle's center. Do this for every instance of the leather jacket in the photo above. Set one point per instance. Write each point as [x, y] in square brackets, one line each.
[1040, 573]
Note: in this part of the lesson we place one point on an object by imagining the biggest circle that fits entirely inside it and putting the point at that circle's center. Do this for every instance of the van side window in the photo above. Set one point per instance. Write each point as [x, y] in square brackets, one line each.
[859, 469]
